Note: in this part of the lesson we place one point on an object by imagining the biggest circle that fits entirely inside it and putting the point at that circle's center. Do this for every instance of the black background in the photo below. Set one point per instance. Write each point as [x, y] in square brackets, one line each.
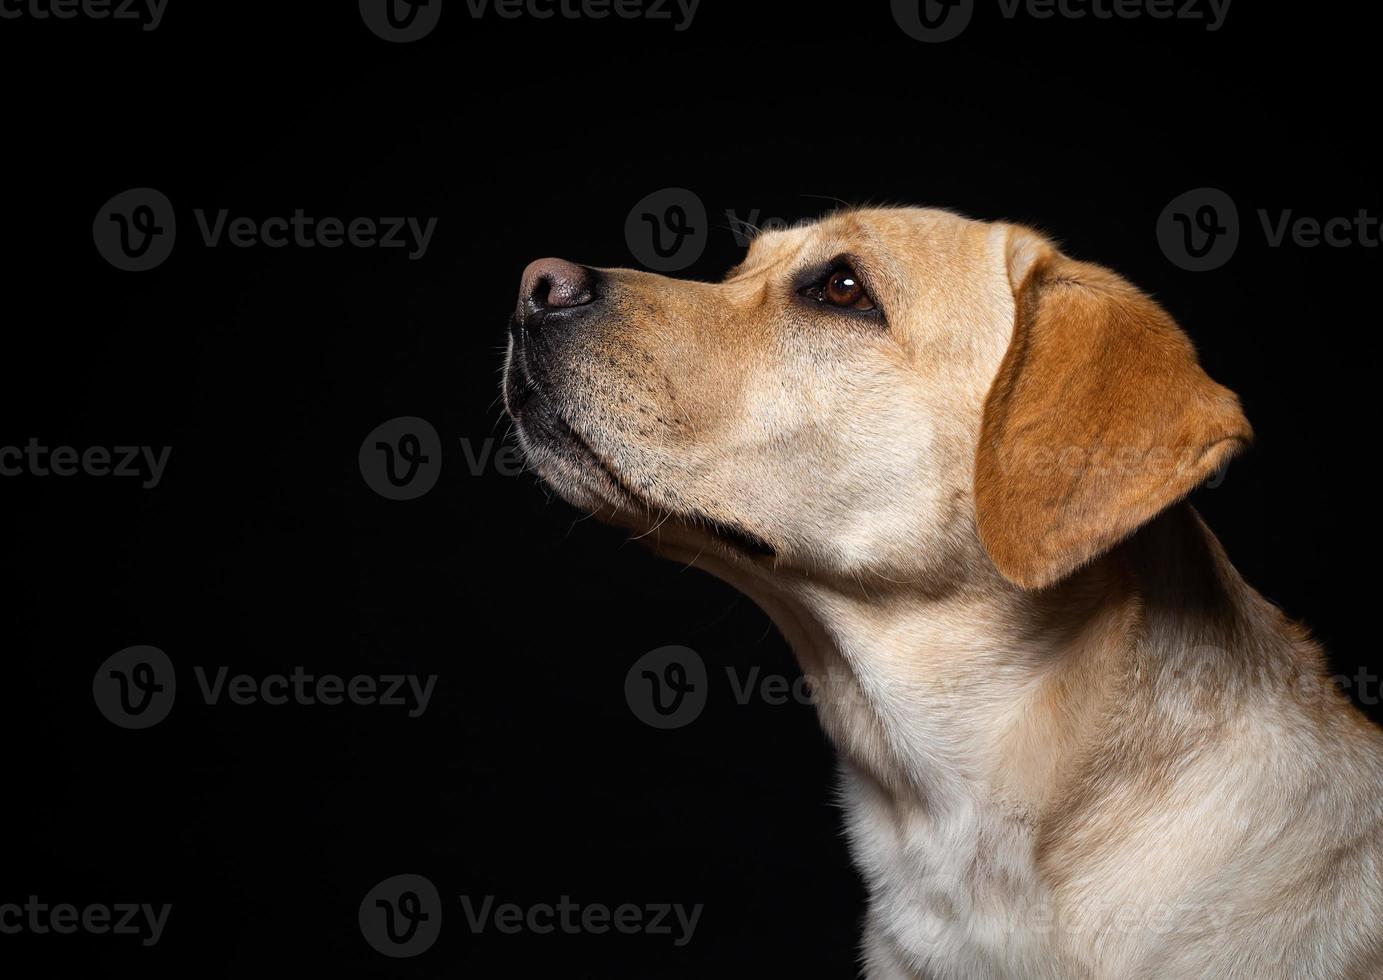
[528, 778]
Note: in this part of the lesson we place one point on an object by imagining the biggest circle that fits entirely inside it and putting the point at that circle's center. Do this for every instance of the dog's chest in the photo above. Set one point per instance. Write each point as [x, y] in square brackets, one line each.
[953, 893]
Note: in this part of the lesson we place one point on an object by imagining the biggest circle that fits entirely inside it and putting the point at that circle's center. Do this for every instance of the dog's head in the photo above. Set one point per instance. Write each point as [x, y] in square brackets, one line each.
[902, 394]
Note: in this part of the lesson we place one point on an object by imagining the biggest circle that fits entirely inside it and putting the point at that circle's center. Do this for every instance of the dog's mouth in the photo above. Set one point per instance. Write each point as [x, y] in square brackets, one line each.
[566, 454]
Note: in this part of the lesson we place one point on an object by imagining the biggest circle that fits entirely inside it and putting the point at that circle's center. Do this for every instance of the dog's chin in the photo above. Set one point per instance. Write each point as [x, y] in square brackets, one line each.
[567, 464]
[588, 480]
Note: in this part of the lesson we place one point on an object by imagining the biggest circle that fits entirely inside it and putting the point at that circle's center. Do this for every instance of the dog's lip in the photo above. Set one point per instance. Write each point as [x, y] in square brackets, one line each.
[517, 395]
[521, 376]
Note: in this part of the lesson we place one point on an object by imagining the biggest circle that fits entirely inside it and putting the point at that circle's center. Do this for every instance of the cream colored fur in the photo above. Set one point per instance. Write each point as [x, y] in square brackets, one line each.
[1136, 771]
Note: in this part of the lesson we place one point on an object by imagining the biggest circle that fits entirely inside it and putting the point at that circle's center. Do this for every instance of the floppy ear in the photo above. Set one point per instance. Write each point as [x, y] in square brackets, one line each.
[1100, 417]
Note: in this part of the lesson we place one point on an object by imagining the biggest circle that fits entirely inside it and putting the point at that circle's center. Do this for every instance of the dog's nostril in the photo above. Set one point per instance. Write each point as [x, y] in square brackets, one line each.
[554, 284]
[541, 289]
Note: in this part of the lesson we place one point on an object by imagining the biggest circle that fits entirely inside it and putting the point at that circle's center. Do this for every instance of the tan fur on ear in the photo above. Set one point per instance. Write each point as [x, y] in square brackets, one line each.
[1100, 417]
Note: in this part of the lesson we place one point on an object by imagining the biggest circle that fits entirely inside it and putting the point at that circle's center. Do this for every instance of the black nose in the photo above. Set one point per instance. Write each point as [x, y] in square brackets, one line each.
[553, 284]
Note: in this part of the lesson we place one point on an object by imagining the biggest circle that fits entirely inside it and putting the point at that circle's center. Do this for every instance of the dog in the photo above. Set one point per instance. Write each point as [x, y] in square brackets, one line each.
[950, 462]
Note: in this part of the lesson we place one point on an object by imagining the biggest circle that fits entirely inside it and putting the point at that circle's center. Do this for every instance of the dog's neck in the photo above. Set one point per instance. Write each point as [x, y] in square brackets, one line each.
[1000, 748]
[970, 697]
[986, 695]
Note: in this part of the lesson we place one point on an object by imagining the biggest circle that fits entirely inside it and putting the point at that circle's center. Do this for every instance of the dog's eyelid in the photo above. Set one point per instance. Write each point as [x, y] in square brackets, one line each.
[814, 272]
[810, 280]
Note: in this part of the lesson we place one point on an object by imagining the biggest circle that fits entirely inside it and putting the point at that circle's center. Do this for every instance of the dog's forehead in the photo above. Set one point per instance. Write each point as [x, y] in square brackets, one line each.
[882, 233]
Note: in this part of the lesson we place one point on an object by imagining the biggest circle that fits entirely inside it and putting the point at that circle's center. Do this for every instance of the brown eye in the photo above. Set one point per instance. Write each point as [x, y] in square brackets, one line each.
[843, 288]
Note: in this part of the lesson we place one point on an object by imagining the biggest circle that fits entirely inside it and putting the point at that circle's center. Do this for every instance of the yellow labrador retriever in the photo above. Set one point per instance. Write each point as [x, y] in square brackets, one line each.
[950, 463]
